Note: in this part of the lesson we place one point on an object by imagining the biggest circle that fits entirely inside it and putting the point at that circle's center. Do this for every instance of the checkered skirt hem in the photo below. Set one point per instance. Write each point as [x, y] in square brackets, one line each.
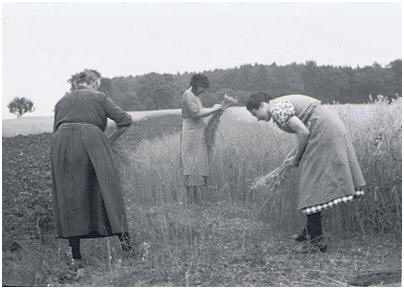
[318, 208]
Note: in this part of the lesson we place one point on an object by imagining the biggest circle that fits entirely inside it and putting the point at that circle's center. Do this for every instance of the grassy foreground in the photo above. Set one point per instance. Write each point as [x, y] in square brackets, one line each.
[224, 242]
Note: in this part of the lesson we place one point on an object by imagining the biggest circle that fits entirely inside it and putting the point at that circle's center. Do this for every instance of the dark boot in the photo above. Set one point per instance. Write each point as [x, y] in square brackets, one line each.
[74, 243]
[315, 231]
[76, 264]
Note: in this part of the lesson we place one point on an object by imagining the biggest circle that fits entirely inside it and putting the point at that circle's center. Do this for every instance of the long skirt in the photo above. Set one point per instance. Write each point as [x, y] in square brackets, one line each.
[87, 197]
[194, 153]
[329, 171]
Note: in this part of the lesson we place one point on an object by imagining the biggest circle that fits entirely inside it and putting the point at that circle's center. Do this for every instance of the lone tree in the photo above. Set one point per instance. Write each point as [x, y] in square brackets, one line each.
[20, 105]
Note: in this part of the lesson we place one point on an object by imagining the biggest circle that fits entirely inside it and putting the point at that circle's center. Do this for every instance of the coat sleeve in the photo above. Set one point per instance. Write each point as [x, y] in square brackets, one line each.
[116, 113]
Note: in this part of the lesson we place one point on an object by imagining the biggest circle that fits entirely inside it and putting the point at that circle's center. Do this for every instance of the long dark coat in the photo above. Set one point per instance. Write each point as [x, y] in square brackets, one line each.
[87, 197]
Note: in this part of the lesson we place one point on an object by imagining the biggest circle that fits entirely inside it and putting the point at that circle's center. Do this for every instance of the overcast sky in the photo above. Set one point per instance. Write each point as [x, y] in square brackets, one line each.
[45, 43]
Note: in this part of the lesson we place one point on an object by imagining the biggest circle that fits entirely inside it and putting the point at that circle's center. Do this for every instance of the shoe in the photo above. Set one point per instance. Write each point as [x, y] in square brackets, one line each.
[319, 243]
[322, 248]
[309, 248]
[78, 269]
[76, 264]
[302, 237]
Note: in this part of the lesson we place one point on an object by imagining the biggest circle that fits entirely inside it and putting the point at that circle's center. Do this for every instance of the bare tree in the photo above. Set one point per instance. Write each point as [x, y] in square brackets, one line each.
[20, 105]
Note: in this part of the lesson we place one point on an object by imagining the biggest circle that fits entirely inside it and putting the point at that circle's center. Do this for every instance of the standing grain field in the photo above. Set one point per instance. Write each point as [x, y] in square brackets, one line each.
[246, 150]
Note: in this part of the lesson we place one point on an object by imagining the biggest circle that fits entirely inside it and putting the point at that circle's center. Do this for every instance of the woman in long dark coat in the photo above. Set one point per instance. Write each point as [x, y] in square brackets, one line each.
[87, 197]
[328, 169]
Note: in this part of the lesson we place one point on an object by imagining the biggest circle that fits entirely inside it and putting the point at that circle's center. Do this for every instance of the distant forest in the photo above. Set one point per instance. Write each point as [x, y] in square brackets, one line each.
[342, 84]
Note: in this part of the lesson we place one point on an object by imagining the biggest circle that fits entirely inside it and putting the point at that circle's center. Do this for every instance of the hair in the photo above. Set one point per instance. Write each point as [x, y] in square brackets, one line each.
[87, 76]
[256, 99]
[200, 80]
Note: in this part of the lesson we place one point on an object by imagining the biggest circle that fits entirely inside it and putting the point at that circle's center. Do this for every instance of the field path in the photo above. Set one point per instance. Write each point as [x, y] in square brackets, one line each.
[231, 250]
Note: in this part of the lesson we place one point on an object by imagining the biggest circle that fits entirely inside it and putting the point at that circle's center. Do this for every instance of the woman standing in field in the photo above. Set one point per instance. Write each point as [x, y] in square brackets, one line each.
[328, 169]
[87, 196]
[194, 154]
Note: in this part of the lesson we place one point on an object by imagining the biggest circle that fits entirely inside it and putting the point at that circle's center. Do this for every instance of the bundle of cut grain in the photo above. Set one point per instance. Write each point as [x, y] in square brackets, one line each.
[270, 182]
[213, 123]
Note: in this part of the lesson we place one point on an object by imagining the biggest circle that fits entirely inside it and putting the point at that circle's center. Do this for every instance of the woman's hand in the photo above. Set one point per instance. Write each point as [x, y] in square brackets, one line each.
[217, 107]
[204, 112]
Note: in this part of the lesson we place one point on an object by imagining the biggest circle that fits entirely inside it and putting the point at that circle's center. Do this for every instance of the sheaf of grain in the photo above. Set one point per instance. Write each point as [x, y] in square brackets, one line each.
[213, 123]
[270, 182]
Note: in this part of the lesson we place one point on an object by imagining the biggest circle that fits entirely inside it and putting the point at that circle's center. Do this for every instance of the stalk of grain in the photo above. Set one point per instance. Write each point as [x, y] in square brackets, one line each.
[270, 182]
[213, 123]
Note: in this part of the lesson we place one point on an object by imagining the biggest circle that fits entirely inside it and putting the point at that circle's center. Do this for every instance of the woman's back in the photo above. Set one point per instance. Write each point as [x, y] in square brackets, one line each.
[89, 106]
[300, 102]
[82, 106]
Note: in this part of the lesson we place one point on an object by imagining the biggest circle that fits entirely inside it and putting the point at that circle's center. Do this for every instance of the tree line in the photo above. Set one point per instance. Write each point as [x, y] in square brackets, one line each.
[331, 84]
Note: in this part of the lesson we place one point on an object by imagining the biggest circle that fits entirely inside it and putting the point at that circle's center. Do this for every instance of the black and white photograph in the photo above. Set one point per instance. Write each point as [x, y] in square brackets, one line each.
[201, 144]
